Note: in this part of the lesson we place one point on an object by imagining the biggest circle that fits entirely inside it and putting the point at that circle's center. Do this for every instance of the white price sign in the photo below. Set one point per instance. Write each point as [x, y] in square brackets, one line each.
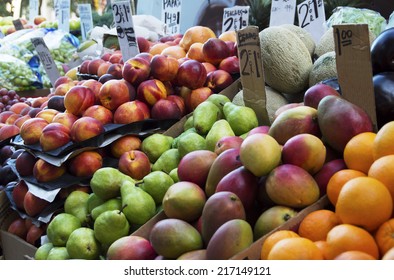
[33, 9]
[171, 15]
[125, 29]
[282, 12]
[85, 15]
[311, 17]
[235, 18]
[46, 59]
[62, 12]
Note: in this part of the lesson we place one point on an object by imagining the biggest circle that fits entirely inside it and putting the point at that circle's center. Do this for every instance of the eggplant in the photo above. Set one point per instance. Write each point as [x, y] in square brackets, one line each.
[382, 52]
[383, 84]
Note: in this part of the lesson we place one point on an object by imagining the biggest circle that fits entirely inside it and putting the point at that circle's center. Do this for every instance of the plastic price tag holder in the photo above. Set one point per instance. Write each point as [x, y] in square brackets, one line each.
[33, 9]
[235, 18]
[354, 67]
[125, 29]
[46, 59]
[63, 15]
[171, 16]
[85, 15]
[17, 24]
[312, 17]
[252, 73]
[282, 12]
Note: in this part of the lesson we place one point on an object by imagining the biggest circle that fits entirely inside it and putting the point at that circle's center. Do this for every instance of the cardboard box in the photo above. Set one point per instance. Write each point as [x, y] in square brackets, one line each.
[34, 92]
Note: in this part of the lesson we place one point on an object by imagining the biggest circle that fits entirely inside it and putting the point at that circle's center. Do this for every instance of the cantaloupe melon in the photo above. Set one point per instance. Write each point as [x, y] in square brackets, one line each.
[286, 60]
[324, 68]
[304, 35]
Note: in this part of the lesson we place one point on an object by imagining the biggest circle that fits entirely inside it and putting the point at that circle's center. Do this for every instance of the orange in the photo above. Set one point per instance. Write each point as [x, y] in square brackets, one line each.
[364, 202]
[354, 255]
[323, 247]
[337, 180]
[317, 224]
[389, 255]
[383, 144]
[295, 248]
[174, 51]
[274, 238]
[358, 152]
[382, 169]
[196, 34]
[345, 237]
[384, 236]
[158, 48]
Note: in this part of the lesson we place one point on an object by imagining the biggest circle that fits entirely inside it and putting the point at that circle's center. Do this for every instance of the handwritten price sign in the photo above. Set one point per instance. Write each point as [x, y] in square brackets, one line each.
[235, 18]
[311, 16]
[33, 10]
[282, 12]
[85, 14]
[171, 15]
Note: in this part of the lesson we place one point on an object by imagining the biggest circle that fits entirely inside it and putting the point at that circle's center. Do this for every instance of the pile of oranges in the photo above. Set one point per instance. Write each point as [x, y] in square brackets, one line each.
[360, 225]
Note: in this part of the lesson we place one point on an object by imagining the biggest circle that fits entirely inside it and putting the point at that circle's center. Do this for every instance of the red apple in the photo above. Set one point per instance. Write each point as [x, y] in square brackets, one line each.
[65, 118]
[197, 96]
[31, 130]
[131, 111]
[85, 128]
[218, 80]
[230, 64]
[315, 93]
[124, 144]
[135, 164]
[78, 99]
[136, 70]
[18, 194]
[100, 113]
[54, 135]
[191, 74]
[34, 205]
[113, 93]
[115, 69]
[44, 171]
[85, 164]
[215, 50]
[166, 109]
[24, 163]
[164, 68]
[150, 91]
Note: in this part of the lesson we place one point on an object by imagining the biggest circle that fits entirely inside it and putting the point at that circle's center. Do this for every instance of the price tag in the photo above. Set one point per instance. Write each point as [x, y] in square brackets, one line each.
[125, 29]
[56, 8]
[311, 16]
[63, 15]
[33, 9]
[171, 16]
[251, 70]
[46, 59]
[235, 18]
[18, 24]
[354, 67]
[85, 15]
[282, 12]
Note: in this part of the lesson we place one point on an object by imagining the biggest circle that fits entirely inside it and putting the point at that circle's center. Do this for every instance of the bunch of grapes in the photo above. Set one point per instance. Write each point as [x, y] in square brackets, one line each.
[9, 98]
[17, 76]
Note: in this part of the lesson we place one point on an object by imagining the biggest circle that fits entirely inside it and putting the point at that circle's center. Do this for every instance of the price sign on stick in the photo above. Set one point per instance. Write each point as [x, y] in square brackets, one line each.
[282, 12]
[85, 15]
[46, 59]
[33, 9]
[235, 18]
[125, 29]
[63, 15]
[311, 16]
[18, 24]
[354, 67]
[252, 74]
[171, 15]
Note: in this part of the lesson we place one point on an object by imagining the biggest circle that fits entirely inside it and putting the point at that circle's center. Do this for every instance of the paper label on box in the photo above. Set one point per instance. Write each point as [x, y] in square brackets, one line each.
[33, 9]
[312, 17]
[171, 16]
[235, 18]
[17, 24]
[46, 59]
[62, 13]
[251, 70]
[125, 29]
[354, 67]
[85, 15]
[282, 12]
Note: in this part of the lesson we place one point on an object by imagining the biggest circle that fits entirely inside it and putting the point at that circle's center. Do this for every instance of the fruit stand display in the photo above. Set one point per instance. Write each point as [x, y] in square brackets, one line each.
[159, 153]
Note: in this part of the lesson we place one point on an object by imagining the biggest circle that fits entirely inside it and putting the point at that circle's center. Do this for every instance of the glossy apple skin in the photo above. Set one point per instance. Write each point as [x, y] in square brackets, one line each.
[136, 70]
[45, 172]
[85, 164]
[113, 93]
[151, 91]
[131, 111]
[31, 130]
[191, 74]
[135, 164]
[78, 99]
[85, 128]
[54, 135]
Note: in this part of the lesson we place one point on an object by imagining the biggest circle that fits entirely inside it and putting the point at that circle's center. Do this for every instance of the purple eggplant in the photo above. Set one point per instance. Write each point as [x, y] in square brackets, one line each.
[382, 52]
[383, 84]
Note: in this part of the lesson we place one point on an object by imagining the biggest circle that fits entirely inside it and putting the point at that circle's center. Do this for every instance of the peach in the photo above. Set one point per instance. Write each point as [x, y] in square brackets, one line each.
[166, 109]
[180, 102]
[31, 130]
[195, 97]
[18, 228]
[18, 194]
[62, 80]
[136, 70]
[34, 205]
[85, 128]
[215, 50]
[83, 68]
[100, 113]
[150, 91]
[95, 86]
[78, 99]
[164, 68]
[38, 101]
[174, 51]
[116, 57]
[5, 115]
[113, 93]
[115, 69]
[195, 52]
[19, 121]
[196, 34]
[85, 164]
[56, 102]
[93, 65]
[143, 44]
[229, 35]
[24, 163]
[145, 55]
[18, 107]
[11, 119]
[44, 171]
[132, 91]
[191, 74]
[124, 144]
[135, 164]
[131, 111]
[106, 77]
[105, 56]
[157, 48]
[53, 136]
[7, 131]
[47, 114]
[103, 68]
[65, 118]
[218, 80]
[230, 64]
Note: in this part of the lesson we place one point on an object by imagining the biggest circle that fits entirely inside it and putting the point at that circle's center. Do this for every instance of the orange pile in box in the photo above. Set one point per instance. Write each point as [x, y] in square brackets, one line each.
[361, 224]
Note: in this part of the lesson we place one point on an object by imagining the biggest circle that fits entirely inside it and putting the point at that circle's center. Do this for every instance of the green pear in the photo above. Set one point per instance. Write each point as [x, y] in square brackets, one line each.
[167, 161]
[188, 123]
[174, 175]
[156, 184]
[43, 251]
[106, 182]
[219, 100]
[204, 116]
[83, 245]
[241, 118]
[219, 129]
[176, 139]
[76, 204]
[110, 226]
[191, 142]
[110, 204]
[58, 253]
[138, 205]
[94, 201]
[60, 228]
[156, 144]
